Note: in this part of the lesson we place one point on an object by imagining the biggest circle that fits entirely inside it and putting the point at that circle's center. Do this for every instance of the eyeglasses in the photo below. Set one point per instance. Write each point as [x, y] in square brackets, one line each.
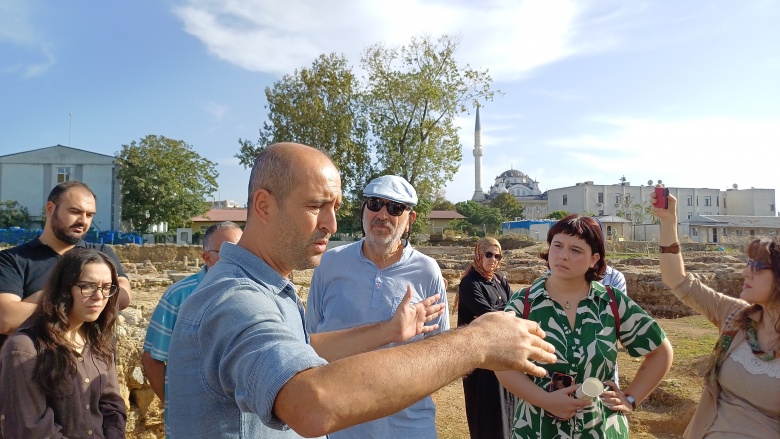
[90, 289]
[393, 208]
[491, 255]
[755, 265]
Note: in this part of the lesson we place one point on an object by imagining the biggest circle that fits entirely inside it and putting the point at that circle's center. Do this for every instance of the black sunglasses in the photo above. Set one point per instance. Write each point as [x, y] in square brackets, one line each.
[491, 255]
[755, 265]
[393, 208]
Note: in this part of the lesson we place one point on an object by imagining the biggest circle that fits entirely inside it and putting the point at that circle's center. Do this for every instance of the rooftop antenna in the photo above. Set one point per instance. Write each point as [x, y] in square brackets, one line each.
[70, 125]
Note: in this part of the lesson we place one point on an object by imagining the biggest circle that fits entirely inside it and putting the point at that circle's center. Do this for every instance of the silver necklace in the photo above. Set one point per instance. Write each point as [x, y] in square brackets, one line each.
[567, 305]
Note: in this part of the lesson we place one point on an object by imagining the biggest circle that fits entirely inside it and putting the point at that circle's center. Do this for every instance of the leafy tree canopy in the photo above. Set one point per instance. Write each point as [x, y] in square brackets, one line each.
[13, 214]
[399, 119]
[508, 205]
[163, 180]
[558, 214]
[488, 218]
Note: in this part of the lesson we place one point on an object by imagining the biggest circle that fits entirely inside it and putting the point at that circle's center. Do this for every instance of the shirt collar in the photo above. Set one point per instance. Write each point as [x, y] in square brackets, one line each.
[254, 267]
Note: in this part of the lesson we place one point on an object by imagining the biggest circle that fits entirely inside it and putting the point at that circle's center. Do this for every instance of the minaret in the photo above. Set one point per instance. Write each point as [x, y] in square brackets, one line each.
[478, 194]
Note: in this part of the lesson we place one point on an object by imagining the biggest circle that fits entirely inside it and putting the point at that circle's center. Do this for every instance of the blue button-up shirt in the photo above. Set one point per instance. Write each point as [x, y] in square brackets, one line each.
[238, 339]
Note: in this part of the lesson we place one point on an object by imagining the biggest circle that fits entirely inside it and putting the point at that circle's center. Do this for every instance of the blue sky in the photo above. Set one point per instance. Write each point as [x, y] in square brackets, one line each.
[687, 92]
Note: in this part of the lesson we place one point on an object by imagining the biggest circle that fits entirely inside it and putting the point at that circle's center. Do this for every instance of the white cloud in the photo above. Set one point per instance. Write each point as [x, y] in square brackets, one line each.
[510, 38]
[32, 70]
[216, 110]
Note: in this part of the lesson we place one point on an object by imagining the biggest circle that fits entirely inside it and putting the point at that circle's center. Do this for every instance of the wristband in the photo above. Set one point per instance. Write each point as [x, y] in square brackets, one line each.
[673, 249]
[631, 400]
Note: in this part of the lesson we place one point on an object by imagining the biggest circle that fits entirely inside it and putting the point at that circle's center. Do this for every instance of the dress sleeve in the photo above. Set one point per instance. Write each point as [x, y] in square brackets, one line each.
[24, 412]
[714, 306]
[472, 297]
[639, 334]
[112, 406]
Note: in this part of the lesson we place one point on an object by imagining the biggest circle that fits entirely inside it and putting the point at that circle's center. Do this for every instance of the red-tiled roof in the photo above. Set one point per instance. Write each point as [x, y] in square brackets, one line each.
[445, 214]
[219, 215]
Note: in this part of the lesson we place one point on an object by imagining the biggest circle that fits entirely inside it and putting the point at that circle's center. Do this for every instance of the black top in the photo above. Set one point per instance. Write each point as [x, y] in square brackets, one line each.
[477, 296]
[24, 269]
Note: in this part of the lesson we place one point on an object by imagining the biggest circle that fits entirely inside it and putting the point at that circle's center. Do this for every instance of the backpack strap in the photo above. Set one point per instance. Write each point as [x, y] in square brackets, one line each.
[615, 312]
[526, 303]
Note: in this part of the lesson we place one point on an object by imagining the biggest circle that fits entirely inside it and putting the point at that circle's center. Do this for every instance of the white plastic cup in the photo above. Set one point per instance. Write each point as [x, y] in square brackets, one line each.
[590, 389]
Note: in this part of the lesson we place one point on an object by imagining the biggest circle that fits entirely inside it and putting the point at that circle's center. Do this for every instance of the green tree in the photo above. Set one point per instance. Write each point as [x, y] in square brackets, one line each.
[412, 97]
[319, 106]
[487, 219]
[508, 205]
[13, 214]
[638, 214]
[463, 226]
[163, 180]
[440, 202]
[557, 214]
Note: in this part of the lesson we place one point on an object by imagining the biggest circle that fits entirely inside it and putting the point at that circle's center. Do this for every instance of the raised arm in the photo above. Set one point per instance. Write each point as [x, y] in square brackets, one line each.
[672, 266]
[314, 402]
[408, 321]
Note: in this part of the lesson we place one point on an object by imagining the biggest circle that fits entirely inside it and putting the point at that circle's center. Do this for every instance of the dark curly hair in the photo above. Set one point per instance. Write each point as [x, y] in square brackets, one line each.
[587, 229]
[56, 357]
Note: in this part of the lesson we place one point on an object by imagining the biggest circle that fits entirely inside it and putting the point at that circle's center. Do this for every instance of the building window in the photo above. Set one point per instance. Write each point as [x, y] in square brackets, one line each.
[63, 175]
[617, 199]
[601, 213]
[690, 215]
[601, 197]
[690, 200]
[708, 201]
[752, 233]
[738, 232]
[565, 200]
[725, 232]
[717, 201]
[628, 200]
[694, 232]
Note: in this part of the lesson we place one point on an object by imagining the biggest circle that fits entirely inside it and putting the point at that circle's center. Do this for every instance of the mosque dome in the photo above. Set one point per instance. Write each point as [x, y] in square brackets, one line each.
[512, 173]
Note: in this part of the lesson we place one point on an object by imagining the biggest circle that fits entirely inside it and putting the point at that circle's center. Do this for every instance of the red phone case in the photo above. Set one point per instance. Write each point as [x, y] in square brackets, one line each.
[661, 198]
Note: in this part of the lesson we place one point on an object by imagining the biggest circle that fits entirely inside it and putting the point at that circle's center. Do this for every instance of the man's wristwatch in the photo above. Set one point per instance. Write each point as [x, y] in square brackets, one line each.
[673, 249]
[631, 400]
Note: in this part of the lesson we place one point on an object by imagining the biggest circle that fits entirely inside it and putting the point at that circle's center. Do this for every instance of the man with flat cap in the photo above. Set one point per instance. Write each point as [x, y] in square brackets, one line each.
[363, 283]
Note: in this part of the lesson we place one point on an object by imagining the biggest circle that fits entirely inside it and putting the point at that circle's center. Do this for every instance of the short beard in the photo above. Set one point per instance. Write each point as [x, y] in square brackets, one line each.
[68, 239]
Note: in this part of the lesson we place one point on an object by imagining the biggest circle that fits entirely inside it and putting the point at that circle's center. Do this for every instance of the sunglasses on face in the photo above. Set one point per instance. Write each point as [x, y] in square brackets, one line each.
[755, 265]
[491, 255]
[393, 208]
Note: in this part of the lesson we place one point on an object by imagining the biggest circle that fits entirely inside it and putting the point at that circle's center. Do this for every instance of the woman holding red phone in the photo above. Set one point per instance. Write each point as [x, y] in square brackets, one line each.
[741, 395]
[584, 321]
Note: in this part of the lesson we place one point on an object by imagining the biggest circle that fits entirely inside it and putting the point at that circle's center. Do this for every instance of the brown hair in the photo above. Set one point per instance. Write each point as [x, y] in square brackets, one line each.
[587, 229]
[56, 358]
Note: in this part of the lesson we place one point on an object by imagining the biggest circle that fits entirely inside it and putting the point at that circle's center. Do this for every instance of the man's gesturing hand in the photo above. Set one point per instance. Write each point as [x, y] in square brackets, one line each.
[509, 342]
[410, 319]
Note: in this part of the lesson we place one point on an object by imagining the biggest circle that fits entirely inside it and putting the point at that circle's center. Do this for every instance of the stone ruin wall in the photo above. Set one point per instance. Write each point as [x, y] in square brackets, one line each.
[152, 268]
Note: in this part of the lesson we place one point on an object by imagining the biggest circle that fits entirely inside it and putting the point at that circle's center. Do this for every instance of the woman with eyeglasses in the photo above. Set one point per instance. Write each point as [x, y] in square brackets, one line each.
[584, 321]
[57, 371]
[489, 407]
[741, 395]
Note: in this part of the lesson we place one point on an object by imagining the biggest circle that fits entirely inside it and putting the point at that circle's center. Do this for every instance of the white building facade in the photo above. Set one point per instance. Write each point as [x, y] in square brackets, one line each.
[28, 177]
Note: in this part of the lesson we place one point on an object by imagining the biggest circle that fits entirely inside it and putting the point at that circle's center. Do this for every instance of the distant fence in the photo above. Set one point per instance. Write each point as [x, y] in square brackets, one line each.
[16, 235]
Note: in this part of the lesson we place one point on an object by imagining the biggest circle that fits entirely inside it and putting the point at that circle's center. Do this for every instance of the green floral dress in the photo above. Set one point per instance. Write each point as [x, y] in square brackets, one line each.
[587, 350]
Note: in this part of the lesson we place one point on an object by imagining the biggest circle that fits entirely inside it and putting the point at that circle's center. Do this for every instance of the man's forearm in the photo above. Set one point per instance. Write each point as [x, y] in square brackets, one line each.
[13, 313]
[364, 387]
[155, 373]
[125, 293]
[339, 344]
